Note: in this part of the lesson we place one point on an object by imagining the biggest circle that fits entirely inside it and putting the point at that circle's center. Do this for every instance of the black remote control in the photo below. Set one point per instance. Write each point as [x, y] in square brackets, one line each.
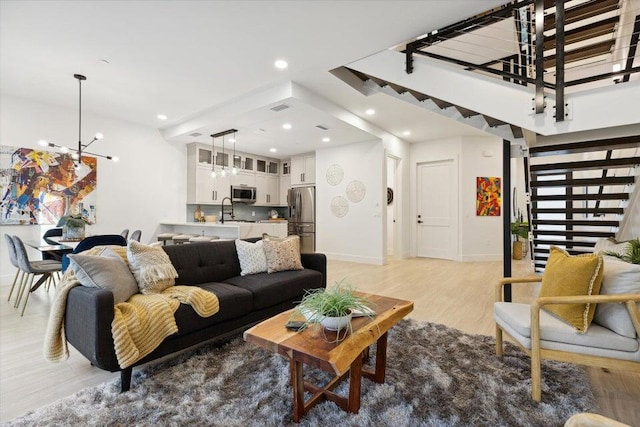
[294, 326]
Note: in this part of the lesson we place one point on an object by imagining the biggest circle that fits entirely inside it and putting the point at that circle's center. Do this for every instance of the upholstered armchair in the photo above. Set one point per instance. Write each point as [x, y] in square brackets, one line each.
[544, 336]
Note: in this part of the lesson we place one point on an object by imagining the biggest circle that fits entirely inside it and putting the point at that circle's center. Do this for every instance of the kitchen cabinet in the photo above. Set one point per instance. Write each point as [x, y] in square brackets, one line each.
[285, 184]
[303, 170]
[244, 178]
[272, 167]
[267, 190]
[203, 189]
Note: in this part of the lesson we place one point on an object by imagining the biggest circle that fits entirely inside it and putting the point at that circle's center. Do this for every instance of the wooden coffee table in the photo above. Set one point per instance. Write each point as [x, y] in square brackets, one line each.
[344, 358]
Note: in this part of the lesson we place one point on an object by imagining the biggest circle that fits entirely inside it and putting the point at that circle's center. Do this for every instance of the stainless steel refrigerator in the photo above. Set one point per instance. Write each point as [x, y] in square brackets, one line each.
[302, 216]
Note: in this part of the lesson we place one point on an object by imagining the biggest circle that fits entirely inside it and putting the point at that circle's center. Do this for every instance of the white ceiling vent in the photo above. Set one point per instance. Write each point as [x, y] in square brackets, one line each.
[195, 134]
[279, 108]
[323, 127]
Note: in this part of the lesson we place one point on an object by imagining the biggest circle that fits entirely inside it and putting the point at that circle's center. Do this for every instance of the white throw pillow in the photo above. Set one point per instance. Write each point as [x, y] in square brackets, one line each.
[608, 245]
[151, 267]
[619, 278]
[251, 256]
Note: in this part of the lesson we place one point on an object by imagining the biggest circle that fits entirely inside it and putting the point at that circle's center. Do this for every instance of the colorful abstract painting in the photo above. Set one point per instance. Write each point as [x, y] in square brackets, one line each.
[488, 196]
[36, 185]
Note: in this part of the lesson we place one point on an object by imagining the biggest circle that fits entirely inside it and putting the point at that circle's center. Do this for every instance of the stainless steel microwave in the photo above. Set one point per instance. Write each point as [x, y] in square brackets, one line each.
[243, 194]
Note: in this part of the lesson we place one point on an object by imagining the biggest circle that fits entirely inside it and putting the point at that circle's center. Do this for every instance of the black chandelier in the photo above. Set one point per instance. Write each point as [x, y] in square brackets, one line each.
[77, 155]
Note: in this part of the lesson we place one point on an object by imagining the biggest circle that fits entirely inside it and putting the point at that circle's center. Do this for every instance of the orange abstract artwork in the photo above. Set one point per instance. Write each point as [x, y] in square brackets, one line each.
[488, 196]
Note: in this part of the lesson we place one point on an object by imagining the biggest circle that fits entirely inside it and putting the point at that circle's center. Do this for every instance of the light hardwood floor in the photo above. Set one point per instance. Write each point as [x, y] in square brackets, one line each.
[459, 295]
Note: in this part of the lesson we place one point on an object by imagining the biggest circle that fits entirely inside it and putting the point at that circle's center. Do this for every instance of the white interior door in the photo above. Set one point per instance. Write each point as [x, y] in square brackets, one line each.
[436, 210]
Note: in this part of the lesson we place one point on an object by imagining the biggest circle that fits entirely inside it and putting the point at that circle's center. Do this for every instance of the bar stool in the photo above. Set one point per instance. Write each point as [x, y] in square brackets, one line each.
[181, 239]
[165, 237]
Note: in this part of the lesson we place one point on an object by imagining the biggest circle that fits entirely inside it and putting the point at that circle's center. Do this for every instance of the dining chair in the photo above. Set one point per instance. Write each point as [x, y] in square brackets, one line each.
[91, 241]
[13, 258]
[125, 233]
[32, 269]
[136, 235]
[52, 232]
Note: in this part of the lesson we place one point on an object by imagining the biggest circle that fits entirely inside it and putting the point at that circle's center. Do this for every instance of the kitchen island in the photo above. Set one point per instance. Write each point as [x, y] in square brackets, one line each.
[230, 230]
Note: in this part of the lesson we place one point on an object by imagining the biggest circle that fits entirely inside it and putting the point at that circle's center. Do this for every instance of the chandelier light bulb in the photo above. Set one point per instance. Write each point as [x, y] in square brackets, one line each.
[64, 150]
[213, 174]
[234, 170]
[115, 159]
[74, 156]
[223, 173]
[99, 136]
[43, 143]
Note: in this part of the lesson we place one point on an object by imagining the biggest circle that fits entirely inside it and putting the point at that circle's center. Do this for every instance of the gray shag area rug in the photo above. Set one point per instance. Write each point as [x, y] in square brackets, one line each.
[436, 376]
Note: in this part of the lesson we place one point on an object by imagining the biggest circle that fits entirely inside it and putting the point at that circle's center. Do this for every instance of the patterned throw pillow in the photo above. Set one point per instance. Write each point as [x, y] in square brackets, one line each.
[566, 275]
[151, 267]
[251, 256]
[283, 255]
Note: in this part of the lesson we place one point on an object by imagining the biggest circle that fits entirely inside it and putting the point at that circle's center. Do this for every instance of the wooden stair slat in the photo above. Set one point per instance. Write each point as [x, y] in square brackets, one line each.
[576, 222]
[573, 233]
[581, 243]
[517, 131]
[582, 182]
[585, 52]
[582, 33]
[585, 146]
[362, 76]
[493, 122]
[599, 211]
[581, 12]
[466, 113]
[441, 104]
[565, 167]
[589, 196]
[418, 95]
[379, 82]
[397, 88]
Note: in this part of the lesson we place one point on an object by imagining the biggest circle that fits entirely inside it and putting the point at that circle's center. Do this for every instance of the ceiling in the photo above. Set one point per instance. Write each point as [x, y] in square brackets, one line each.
[181, 58]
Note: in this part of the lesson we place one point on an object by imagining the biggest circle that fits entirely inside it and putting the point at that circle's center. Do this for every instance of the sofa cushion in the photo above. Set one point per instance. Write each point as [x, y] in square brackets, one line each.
[567, 275]
[271, 289]
[107, 272]
[619, 278]
[234, 302]
[518, 317]
[251, 256]
[204, 262]
[283, 255]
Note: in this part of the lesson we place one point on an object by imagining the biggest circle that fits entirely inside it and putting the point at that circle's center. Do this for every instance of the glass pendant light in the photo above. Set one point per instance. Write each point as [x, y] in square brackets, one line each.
[234, 169]
[224, 171]
[213, 157]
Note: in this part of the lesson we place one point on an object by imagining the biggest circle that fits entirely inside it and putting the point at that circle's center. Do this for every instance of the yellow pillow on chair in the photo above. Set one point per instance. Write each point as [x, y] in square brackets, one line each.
[566, 275]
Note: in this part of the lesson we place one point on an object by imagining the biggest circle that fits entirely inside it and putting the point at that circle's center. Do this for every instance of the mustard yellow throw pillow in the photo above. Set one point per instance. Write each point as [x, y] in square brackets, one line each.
[566, 275]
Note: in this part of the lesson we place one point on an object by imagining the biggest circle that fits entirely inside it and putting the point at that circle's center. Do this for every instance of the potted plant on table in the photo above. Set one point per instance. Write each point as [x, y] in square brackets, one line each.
[334, 307]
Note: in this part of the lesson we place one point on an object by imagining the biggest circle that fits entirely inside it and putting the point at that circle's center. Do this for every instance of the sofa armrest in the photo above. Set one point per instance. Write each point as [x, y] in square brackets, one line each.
[87, 324]
[318, 262]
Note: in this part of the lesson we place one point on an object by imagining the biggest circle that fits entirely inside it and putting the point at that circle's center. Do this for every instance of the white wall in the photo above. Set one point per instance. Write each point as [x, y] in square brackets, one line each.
[359, 235]
[146, 186]
[480, 238]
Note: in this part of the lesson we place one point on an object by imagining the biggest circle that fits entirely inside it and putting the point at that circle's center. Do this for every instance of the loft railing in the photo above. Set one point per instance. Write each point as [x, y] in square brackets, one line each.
[551, 45]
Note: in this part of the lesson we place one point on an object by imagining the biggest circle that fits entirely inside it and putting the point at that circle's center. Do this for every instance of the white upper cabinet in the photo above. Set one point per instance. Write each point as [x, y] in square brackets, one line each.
[303, 170]
[267, 190]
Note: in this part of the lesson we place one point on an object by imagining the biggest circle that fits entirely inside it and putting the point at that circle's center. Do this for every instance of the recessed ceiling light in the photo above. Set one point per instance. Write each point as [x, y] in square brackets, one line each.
[273, 150]
[370, 112]
[161, 117]
[286, 126]
[281, 64]
[406, 133]
[325, 139]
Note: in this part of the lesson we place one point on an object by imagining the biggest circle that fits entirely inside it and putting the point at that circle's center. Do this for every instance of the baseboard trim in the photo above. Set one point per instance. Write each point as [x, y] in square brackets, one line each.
[354, 258]
[481, 257]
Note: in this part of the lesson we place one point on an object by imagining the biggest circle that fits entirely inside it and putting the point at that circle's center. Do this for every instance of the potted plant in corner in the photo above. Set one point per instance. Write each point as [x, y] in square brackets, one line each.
[334, 307]
[520, 232]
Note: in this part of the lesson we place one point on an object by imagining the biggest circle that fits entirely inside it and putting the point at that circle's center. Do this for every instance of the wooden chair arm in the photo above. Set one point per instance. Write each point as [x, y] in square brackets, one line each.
[630, 301]
[508, 280]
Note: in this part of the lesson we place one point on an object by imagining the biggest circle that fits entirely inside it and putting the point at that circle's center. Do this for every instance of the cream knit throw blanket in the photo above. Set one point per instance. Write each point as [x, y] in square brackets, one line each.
[139, 325]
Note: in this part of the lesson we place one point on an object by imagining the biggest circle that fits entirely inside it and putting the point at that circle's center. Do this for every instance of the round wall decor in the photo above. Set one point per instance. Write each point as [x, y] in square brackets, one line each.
[335, 174]
[389, 195]
[356, 191]
[339, 206]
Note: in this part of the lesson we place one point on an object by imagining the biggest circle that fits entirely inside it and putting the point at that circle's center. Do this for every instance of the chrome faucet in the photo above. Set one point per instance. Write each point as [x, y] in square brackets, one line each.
[228, 213]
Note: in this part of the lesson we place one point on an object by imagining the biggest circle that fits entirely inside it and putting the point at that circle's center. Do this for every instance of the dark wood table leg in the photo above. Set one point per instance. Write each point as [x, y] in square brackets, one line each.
[381, 359]
[40, 281]
[298, 390]
[355, 382]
